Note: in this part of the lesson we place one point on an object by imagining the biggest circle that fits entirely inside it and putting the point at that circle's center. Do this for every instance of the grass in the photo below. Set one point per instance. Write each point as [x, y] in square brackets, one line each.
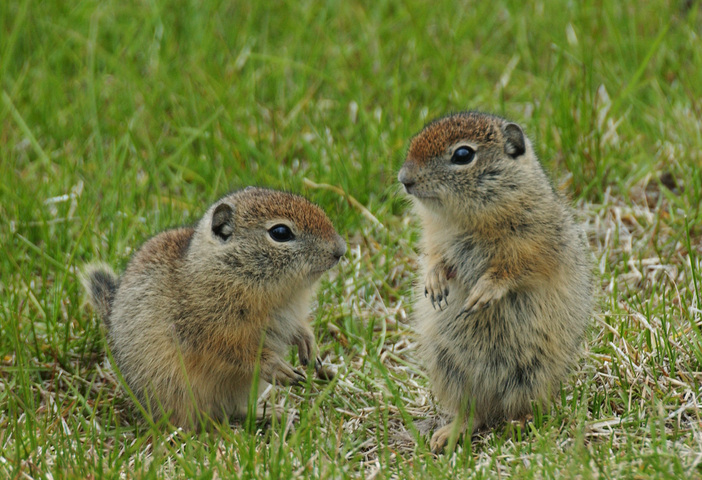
[121, 119]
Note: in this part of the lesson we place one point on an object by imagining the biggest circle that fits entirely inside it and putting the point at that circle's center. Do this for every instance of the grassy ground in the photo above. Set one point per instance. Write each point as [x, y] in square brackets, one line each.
[121, 118]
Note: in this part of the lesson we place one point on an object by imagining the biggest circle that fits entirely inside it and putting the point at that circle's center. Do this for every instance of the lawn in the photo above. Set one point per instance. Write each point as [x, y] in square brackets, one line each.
[119, 119]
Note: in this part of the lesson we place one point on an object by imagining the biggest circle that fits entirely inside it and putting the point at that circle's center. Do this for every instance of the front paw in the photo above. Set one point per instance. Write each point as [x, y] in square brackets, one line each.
[436, 285]
[281, 372]
[306, 348]
[483, 294]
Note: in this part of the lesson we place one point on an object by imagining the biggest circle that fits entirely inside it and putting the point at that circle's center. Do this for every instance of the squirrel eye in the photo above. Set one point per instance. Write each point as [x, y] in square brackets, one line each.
[281, 233]
[463, 156]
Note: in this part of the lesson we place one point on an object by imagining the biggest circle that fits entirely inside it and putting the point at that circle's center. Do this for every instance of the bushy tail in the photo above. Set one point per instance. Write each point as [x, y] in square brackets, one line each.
[101, 282]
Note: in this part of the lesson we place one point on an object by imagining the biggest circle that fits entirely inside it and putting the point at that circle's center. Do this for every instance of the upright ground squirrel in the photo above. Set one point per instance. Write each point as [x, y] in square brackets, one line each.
[507, 272]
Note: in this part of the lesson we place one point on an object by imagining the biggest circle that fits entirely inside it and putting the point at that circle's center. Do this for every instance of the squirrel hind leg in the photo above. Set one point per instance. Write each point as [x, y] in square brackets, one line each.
[446, 437]
[100, 282]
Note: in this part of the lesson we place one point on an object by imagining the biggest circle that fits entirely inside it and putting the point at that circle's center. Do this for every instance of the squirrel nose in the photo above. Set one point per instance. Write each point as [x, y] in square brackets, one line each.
[405, 178]
[339, 248]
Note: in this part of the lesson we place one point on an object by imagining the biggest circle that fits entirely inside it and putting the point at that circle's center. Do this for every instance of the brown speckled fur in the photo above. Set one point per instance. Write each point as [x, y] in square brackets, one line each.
[507, 291]
[446, 131]
[186, 320]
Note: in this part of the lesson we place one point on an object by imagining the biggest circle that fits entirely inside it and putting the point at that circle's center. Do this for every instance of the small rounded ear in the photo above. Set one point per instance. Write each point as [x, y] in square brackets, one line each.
[222, 221]
[515, 144]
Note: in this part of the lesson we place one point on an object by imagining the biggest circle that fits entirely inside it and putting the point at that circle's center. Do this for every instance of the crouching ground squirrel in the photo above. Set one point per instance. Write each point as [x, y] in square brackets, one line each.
[198, 308]
[507, 271]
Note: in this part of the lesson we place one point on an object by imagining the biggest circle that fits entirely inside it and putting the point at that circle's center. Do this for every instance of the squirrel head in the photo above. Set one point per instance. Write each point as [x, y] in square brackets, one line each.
[269, 239]
[469, 163]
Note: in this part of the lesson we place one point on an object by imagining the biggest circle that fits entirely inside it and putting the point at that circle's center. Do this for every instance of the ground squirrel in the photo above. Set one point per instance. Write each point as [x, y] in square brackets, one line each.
[198, 308]
[507, 271]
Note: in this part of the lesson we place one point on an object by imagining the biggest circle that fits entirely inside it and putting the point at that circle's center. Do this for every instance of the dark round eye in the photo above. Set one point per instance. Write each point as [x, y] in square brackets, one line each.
[463, 156]
[281, 233]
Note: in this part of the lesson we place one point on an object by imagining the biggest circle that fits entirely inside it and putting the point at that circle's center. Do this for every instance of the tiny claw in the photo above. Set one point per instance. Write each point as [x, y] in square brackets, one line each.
[305, 361]
[446, 292]
[317, 364]
[426, 292]
[432, 302]
[301, 377]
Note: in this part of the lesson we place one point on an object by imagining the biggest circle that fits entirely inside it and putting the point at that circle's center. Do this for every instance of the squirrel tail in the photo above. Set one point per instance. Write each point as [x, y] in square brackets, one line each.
[100, 282]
